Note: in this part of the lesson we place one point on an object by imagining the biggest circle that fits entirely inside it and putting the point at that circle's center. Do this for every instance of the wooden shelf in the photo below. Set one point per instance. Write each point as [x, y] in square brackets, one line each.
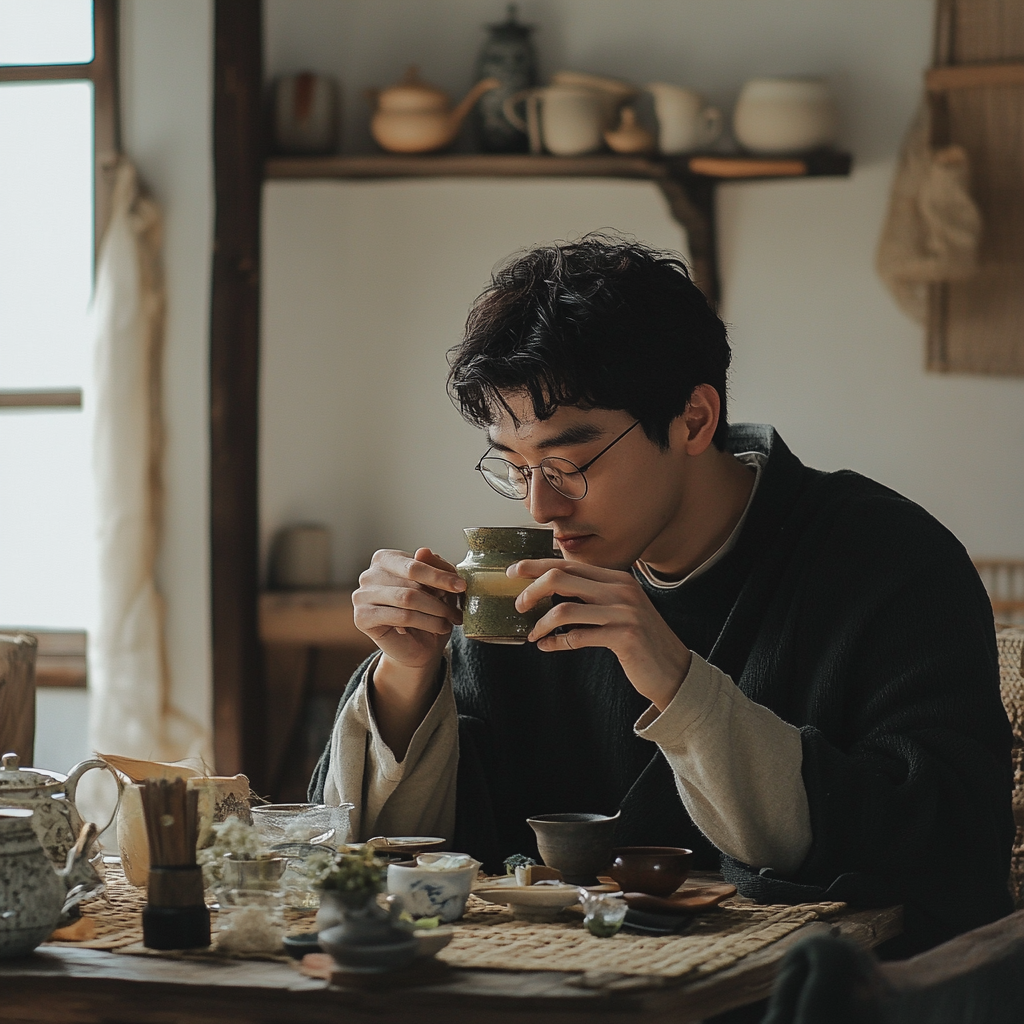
[313, 618]
[524, 165]
[688, 183]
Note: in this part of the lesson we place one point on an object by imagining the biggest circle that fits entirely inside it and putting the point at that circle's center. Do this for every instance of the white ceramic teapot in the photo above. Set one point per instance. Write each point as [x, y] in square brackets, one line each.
[51, 796]
[34, 896]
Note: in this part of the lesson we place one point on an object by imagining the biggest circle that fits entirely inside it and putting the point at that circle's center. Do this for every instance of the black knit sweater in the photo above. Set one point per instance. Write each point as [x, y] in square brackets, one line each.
[852, 614]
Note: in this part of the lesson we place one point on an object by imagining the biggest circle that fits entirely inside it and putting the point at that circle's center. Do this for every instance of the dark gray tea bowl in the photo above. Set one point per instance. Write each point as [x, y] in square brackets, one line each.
[578, 845]
[489, 604]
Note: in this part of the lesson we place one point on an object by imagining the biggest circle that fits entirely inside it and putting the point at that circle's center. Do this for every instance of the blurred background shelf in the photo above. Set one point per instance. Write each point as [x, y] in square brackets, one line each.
[525, 165]
[311, 647]
[687, 182]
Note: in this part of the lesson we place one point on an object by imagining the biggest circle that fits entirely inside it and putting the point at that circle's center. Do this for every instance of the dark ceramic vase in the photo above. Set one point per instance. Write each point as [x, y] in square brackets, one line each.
[507, 55]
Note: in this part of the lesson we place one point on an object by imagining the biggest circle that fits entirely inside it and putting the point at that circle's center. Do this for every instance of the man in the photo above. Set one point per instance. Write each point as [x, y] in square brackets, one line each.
[791, 672]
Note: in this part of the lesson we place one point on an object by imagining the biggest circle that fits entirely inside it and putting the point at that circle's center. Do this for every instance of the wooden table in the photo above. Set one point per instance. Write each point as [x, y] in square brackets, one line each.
[82, 986]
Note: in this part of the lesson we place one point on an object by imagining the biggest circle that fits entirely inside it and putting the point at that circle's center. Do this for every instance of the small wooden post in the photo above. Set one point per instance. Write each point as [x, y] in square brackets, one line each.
[18, 695]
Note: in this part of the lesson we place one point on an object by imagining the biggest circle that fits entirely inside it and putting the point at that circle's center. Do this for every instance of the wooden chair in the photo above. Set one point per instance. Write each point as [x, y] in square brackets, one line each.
[1010, 643]
[975, 978]
[1004, 581]
[18, 695]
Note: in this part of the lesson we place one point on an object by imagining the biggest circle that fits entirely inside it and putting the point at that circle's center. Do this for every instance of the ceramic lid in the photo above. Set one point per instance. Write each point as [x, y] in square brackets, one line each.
[13, 778]
[413, 96]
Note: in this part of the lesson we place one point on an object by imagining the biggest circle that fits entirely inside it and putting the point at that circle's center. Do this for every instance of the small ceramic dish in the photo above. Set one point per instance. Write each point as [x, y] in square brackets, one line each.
[430, 941]
[534, 902]
[655, 870]
[407, 846]
[369, 958]
[298, 946]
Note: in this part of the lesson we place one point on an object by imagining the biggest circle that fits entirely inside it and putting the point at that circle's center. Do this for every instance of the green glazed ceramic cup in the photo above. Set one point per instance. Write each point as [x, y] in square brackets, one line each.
[489, 603]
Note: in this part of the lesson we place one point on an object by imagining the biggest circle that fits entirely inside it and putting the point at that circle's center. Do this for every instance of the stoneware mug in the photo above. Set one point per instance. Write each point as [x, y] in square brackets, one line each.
[685, 121]
[489, 602]
[564, 120]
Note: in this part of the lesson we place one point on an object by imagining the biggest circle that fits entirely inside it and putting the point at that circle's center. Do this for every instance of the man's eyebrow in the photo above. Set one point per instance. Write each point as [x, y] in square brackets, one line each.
[580, 433]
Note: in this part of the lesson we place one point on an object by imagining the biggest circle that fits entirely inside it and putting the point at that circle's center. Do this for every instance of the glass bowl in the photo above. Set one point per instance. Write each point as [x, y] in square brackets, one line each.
[320, 824]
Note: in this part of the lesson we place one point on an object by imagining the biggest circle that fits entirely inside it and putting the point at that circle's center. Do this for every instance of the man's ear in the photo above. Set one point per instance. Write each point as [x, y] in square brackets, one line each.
[692, 430]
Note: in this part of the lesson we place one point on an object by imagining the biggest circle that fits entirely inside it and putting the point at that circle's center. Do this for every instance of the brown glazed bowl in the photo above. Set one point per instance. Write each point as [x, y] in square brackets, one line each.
[654, 870]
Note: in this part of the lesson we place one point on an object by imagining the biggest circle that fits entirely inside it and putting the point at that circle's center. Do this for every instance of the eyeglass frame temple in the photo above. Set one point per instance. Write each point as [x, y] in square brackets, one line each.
[527, 471]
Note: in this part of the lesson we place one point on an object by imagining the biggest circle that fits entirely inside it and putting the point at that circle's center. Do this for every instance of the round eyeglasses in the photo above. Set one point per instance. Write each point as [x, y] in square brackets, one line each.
[563, 476]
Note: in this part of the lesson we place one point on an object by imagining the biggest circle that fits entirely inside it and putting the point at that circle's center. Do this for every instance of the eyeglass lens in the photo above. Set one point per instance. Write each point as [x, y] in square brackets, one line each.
[512, 482]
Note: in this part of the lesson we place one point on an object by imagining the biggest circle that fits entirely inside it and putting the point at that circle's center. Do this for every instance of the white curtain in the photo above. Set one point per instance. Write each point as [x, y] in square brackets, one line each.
[130, 706]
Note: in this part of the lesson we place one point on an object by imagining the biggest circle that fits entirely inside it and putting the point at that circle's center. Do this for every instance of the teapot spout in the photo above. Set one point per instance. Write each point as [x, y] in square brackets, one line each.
[80, 878]
[458, 115]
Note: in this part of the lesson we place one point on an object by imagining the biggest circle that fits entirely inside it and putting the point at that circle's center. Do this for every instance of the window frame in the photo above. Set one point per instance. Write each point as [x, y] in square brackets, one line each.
[102, 72]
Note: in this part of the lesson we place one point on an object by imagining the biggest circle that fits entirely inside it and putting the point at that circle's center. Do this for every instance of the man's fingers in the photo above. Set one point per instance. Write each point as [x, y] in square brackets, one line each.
[571, 613]
[375, 621]
[378, 601]
[558, 582]
[533, 568]
[424, 567]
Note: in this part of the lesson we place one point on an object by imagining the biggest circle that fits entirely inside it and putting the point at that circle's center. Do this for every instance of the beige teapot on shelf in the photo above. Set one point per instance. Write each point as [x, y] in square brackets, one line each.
[415, 117]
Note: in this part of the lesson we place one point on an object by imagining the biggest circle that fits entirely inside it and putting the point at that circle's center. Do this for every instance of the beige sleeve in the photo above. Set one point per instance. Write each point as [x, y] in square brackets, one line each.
[737, 767]
[413, 797]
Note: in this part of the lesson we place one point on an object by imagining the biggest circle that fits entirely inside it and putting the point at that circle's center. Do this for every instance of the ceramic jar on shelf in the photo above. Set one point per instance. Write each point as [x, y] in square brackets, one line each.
[779, 116]
[306, 114]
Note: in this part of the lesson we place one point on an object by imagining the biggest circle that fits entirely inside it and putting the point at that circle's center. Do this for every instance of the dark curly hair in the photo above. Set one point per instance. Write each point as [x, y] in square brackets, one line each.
[601, 323]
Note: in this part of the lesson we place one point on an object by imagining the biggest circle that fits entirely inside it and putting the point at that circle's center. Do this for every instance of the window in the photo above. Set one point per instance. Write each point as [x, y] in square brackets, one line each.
[58, 135]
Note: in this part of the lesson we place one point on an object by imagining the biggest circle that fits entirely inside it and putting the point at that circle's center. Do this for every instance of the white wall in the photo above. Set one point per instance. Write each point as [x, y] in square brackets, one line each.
[367, 284]
[167, 110]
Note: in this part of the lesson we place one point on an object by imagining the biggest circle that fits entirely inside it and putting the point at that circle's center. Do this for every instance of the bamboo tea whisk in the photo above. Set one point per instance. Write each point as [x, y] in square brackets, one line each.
[172, 822]
[176, 916]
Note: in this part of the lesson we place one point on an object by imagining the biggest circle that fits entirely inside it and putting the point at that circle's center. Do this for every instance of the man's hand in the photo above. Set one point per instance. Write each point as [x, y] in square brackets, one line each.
[608, 608]
[407, 605]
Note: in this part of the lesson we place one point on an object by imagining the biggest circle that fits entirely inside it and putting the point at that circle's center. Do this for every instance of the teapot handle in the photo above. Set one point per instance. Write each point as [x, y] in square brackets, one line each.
[75, 775]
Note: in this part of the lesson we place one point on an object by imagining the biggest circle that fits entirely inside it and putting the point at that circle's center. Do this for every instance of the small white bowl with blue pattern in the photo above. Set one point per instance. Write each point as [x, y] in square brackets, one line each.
[431, 888]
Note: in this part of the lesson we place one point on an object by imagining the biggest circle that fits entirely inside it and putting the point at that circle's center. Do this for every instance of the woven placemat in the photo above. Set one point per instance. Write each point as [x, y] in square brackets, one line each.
[716, 940]
[116, 919]
[488, 936]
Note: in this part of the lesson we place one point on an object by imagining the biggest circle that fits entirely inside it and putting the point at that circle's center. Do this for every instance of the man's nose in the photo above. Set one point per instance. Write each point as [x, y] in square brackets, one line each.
[544, 502]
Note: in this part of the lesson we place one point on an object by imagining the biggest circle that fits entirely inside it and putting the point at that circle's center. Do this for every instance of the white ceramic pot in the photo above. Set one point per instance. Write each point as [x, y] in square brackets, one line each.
[564, 120]
[685, 121]
[305, 114]
[426, 892]
[785, 115]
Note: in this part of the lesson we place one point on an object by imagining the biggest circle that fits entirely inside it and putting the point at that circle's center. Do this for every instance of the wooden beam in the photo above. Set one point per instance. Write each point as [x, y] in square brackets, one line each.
[106, 97]
[975, 76]
[239, 710]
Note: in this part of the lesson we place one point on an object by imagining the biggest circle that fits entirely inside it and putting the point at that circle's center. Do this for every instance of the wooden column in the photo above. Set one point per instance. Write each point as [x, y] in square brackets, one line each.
[239, 710]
